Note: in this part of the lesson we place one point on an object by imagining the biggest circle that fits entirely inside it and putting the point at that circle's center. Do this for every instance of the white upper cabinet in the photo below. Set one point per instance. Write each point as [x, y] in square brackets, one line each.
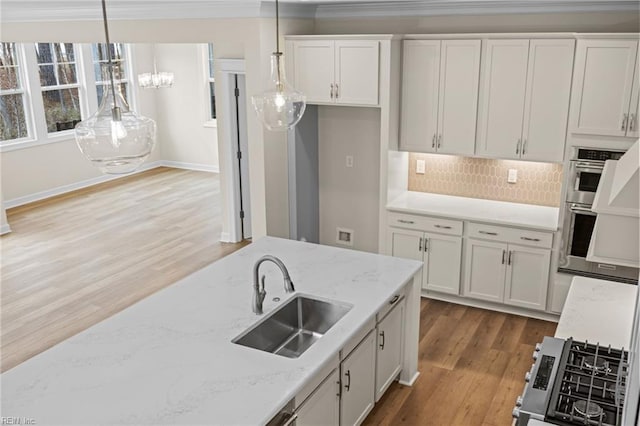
[604, 87]
[440, 96]
[524, 98]
[634, 106]
[337, 71]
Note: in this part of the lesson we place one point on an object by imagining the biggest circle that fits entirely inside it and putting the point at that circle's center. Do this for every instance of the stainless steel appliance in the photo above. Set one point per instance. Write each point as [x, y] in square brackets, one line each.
[574, 383]
[585, 170]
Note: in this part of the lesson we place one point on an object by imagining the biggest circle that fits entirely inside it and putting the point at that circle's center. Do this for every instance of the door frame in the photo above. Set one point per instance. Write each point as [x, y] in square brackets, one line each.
[232, 225]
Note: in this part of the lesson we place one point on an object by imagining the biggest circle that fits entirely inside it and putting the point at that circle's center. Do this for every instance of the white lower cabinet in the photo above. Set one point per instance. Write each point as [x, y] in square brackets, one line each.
[507, 273]
[322, 408]
[358, 382]
[389, 348]
[441, 255]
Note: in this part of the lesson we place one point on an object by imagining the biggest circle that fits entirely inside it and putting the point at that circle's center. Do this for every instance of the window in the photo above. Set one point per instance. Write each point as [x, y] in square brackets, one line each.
[212, 86]
[59, 84]
[100, 57]
[13, 121]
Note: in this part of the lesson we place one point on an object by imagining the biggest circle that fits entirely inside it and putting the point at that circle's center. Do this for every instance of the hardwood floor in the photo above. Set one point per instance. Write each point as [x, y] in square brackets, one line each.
[74, 260]
[472, 364]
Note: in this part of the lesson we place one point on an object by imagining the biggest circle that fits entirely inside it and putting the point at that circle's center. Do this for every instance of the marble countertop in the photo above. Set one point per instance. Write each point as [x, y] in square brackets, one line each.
[599, 311]
[486, 211]
[169, 359]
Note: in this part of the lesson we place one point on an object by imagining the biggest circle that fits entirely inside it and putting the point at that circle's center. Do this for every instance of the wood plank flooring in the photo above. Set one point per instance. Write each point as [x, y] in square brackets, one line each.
[472, 364]
[76, 259]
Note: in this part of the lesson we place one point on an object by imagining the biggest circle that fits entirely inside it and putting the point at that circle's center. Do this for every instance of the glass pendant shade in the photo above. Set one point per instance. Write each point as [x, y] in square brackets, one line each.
[115, 139]
[281, 106]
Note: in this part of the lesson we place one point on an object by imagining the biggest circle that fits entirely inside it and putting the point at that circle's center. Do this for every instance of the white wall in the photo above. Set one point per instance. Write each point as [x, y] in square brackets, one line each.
[527, 22]
[183, 109]
[349, 196]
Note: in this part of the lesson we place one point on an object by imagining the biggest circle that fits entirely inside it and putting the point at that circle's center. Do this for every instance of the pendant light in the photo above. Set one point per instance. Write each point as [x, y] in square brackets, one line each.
[115, 139]
[155, 80]
[281, 106]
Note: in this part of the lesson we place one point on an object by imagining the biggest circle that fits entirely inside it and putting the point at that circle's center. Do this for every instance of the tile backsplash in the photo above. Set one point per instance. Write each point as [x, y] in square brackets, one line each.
[538, 183]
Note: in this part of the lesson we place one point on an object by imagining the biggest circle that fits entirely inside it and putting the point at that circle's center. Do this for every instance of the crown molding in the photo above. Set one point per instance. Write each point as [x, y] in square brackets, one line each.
[469, 7]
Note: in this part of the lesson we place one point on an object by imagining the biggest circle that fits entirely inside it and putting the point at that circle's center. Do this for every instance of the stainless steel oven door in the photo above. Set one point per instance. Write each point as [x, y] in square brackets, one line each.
[585, 176]
[579, 222]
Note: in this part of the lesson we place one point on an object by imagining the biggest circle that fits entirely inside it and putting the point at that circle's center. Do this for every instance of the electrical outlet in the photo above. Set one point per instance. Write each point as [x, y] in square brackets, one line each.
[512, 177]
[349, 160]
[344, 236]
[420, 167]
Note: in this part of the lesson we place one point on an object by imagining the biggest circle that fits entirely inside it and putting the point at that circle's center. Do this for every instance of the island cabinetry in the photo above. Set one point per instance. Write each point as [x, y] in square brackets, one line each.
[390, 330]
[441, 251]
[606, 88]
[507, 265]
[323, 405]
[440, 96]
[524, 98]
[358, 382]
[328, 71]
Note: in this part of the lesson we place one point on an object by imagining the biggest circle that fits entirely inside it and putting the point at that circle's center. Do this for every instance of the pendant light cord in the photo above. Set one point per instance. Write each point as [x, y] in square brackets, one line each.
[277, 28]
[116, 112]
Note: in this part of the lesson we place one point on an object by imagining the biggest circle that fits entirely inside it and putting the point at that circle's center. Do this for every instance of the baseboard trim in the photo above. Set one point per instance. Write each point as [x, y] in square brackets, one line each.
[16, 202]
[191, 166]
[410, 382]
[523, 312]
[5, 229]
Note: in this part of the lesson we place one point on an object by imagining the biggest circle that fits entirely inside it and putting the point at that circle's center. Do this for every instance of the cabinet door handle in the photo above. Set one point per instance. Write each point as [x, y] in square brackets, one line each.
[426, 245]
[529, 239]
[488, 233]
[442, 226]
[632, 123]
[382, 344]
[433, 141]
[504, 254]
[439, 140]
[408, 222]
[524, 147]
[625, 118]
[420, 245]
[518, 146]
[337, 92]
[394, 300]
[331, 92]
[509, 261]
[348, 385]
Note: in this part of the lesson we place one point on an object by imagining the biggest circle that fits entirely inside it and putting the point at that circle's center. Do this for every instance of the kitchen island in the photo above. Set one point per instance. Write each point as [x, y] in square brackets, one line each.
[169, 358]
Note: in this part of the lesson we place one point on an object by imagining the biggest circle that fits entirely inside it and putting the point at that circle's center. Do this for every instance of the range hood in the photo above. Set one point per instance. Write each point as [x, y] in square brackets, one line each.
[615, 238]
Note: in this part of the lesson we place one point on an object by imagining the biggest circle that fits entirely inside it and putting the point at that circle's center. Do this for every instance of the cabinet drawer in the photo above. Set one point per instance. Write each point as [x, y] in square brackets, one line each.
[510, 235]
[391, 303]
[425, 223]
[357, 338]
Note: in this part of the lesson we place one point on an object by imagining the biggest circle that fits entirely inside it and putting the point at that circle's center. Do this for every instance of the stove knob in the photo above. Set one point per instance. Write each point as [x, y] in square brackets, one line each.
[519, 401]
[535, 355]
[538, 347]
[515, 413]
[527, 377]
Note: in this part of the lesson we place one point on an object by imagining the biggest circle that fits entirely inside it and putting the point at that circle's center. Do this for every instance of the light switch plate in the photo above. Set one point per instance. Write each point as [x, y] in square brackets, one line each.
[420, 167]
[349, 162]
[512, 176]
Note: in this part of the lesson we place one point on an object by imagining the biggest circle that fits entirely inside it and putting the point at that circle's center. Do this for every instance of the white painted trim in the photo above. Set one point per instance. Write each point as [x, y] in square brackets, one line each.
[410, 382]
[466, 7]
[190, 166]
[5, 229]
[225, 237]
[73, 187]
[232, 229]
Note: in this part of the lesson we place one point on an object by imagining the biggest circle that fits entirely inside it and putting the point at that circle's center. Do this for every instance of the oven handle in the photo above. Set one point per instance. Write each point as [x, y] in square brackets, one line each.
[577, 208]
[588, 165]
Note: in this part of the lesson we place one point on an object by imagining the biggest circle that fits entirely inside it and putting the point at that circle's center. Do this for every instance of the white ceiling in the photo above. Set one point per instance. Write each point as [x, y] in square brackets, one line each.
[42, 10]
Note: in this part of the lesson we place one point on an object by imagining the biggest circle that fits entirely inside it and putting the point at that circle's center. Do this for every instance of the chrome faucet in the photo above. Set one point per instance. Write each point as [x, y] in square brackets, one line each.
[259, 292]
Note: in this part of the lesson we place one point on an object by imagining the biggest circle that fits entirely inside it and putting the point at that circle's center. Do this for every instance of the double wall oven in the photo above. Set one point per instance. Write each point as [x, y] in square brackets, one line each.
[585, 170]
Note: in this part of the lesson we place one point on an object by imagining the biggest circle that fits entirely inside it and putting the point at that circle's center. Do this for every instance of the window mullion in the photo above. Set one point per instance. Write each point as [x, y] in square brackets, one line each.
[35, 91]
[90, 105]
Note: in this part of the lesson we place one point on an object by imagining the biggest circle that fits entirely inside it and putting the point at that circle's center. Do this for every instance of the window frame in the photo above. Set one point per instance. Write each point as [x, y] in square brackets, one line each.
[126, 72]
[27, 105]
[206, 68]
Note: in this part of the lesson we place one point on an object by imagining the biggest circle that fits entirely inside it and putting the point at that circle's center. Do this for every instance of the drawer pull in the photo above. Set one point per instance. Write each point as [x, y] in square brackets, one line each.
[443, 226]
[394, 300]
[530, 239]
[488, 233]
[408, 222]
[420, 245]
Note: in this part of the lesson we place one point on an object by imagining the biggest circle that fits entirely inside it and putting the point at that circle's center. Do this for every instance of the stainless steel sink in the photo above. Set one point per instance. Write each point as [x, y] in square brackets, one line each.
[294, 327]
